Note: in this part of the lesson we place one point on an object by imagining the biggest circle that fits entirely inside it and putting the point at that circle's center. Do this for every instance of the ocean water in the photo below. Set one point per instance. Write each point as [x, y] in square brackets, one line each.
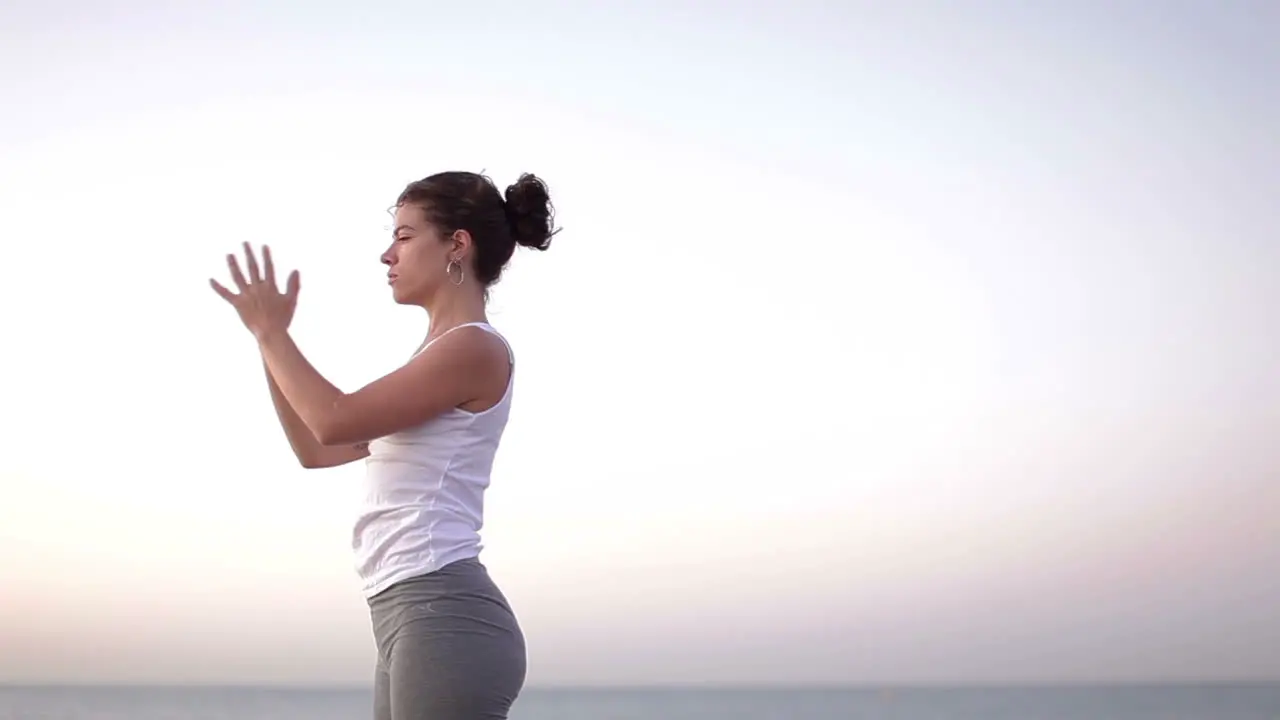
[1257, 702]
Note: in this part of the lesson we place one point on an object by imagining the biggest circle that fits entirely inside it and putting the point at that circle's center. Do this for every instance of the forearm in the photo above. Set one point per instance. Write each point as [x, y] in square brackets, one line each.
[304, 391]
[303, 442]
[308, 450]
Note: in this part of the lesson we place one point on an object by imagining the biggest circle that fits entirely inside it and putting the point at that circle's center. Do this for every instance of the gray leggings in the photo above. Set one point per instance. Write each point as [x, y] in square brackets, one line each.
[449, 647]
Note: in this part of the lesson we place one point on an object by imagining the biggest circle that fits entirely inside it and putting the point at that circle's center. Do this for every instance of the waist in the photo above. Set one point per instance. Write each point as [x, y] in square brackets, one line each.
[467, 576]
[404, 544]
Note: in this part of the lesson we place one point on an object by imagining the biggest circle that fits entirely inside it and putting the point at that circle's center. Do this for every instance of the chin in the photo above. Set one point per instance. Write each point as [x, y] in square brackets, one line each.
[402, 296]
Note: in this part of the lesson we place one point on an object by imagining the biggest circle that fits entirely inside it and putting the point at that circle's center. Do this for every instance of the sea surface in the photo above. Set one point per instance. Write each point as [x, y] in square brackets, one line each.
[1256, 702]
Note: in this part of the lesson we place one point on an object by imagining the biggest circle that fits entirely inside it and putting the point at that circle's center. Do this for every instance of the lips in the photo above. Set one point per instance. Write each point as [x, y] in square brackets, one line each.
[391, 279]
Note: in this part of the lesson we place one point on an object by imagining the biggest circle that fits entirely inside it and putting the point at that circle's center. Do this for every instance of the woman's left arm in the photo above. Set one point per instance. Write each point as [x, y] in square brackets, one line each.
[435, 381]
[450, 373]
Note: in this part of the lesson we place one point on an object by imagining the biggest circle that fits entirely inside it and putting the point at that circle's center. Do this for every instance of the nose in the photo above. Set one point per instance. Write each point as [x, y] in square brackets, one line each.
[388, 257]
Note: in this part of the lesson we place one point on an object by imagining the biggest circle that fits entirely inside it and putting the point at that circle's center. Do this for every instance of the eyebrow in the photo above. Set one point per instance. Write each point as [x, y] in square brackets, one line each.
[401, 227]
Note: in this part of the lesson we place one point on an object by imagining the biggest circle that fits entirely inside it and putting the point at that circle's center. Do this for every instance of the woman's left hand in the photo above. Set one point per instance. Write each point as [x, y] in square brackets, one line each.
[261, 306]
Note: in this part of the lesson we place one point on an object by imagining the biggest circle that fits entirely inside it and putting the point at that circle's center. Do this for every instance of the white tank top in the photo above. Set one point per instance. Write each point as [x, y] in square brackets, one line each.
[423, 499]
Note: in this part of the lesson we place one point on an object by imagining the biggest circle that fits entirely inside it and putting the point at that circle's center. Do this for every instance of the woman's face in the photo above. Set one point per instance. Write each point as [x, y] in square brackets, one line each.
[418, 257]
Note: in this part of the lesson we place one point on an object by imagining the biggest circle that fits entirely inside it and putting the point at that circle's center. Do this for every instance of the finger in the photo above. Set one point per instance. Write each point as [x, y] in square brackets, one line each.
[236, 275]
[293, 285]
[252, 263]
[225, 293]
[268, 267]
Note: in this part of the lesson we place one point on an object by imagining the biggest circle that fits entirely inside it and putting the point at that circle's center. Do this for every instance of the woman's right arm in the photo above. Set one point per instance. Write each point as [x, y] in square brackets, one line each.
[311, 454]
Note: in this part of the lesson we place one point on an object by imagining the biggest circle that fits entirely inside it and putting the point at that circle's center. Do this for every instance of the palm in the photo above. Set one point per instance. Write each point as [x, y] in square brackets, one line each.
[261, 306]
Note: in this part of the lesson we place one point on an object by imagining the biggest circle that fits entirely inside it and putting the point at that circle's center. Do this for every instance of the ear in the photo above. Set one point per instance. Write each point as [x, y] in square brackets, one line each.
[460, 244]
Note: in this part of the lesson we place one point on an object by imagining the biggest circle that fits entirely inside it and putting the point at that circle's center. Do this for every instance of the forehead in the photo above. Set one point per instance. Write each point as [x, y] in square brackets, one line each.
[412, 215]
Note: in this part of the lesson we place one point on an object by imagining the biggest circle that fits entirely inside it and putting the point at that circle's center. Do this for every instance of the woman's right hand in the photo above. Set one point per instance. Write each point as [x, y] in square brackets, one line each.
[261, 306]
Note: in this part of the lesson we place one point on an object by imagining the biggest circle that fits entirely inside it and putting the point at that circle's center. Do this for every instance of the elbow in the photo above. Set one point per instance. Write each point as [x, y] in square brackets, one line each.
[328, 428]
[339, 427]
[332, 434]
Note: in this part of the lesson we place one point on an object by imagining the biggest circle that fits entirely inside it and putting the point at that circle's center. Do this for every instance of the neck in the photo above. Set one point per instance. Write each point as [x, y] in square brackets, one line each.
[450, 309]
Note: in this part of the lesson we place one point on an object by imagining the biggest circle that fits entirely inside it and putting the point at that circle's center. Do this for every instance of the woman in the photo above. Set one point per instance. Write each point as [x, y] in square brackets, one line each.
[449, 646]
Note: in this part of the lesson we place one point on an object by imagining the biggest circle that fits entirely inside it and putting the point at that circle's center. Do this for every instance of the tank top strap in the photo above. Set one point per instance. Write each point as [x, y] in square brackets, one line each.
[483, 326]
[511, 356]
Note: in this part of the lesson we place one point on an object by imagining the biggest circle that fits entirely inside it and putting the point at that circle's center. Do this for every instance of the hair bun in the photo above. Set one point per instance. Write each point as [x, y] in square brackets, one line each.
[530, 213]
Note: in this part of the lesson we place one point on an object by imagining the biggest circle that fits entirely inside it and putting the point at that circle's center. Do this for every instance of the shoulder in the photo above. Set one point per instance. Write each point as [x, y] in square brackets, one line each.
[465, 365]
[469, 348]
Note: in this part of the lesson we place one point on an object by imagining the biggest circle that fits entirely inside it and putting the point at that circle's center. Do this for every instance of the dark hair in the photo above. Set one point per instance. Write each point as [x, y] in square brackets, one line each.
[468, 201]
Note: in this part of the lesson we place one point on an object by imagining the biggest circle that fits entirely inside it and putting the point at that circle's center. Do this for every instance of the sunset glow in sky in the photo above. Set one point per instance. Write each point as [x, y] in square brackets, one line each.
[916, 342]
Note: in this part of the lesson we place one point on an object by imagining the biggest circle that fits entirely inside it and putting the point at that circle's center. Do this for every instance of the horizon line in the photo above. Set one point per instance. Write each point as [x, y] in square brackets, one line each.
[680, 686]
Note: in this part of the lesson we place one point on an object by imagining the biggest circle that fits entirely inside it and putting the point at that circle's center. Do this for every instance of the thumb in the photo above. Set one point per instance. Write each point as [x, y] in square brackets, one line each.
[293, 285]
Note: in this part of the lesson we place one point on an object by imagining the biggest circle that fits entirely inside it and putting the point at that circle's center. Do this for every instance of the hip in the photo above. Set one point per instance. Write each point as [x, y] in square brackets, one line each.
[459, 598]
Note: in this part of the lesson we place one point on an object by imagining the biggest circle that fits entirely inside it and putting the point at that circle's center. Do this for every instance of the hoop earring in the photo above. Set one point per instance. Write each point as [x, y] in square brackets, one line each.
[448, 270]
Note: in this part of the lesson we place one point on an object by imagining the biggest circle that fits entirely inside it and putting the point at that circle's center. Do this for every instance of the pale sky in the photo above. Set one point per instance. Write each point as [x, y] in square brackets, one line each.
[913, 342]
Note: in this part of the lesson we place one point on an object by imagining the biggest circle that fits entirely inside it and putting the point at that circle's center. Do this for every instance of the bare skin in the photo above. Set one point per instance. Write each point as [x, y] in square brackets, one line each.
[310, 453]
[467, 369]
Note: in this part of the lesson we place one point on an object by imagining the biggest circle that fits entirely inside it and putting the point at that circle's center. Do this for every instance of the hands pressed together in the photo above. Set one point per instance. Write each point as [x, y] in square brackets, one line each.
[262, 307]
